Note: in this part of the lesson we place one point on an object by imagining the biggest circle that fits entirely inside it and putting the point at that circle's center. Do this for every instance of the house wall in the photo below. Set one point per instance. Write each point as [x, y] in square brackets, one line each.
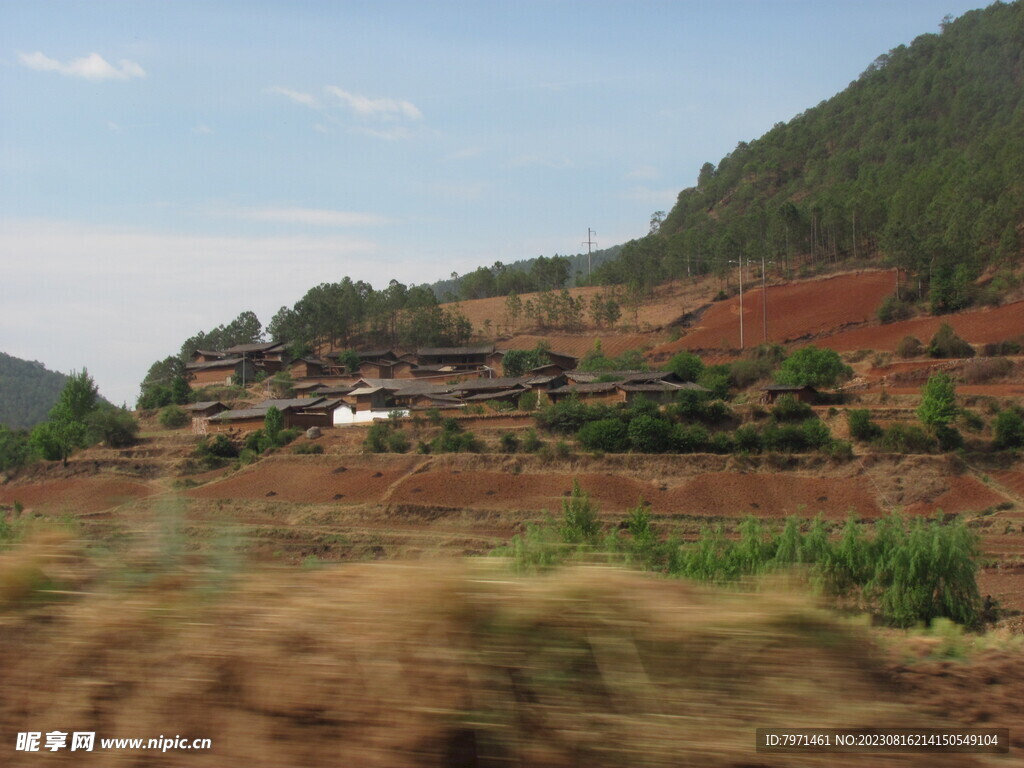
[210, 376]
[590, 398]
[237, 425]
[307, 420]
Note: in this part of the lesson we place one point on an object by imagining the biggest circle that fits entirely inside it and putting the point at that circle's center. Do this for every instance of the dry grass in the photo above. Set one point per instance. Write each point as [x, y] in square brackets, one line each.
[448, 665]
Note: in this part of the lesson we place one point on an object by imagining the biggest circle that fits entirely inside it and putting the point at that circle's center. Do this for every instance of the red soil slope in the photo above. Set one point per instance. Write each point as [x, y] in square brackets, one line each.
[979, 326]
[320, 480]
[75, 496]
[612, 344]
[795, 311]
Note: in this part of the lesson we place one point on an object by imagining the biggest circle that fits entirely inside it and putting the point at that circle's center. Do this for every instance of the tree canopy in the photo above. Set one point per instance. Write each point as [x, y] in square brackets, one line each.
[811, 366]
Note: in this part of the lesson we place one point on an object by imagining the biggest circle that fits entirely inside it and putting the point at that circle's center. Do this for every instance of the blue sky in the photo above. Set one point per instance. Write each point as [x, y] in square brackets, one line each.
[167, 165]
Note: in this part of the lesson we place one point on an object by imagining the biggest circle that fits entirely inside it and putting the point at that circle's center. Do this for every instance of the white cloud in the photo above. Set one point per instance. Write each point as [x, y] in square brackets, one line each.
[202, 129]
[305, 99]
[311, 216]
[390, 134]
[91, 67]
[367, 107]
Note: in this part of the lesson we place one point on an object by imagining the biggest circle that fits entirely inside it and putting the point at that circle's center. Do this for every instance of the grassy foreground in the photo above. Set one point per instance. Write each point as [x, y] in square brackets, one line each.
[440, 664]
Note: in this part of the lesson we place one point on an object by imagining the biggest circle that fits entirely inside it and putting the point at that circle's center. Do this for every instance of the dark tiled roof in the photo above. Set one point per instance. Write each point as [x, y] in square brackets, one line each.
[589, 376]
[786, 388]
[262, 347]
[479, 349]
[499, 382]
[496, 395]
[227, 362]
[203, 406]
[421, 388]
[240, 414]
[599, 386]
[657, 386]
[295, 402]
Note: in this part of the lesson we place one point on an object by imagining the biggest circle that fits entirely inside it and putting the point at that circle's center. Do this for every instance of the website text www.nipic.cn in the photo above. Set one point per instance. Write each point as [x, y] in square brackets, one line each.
[85, 741]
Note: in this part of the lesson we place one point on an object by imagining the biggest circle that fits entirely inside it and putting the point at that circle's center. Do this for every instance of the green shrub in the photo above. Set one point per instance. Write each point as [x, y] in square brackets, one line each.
[721, 442]
[789, 408]
[114, 426]
[747, 439]
[811, 366]
[817, 435]
[569, 415]
[946, 343]
[528, 401]
[377, 437]
[247, 456]
[716, 378]
[397, 441]
[531, 442]
[608, 435]
[689, 438]
[453, 439]
[173, 417]
[909, 346]
[840, 450]
[509, 442]
[696, 405]
[861, 425]
[938, 401]
[650, 434]
[308, 448]
[1008, 429]
[686, 365]
[894, 309]
[580, 524]
[1000, 348]
[906, 438]
[949, 438]
[212, 452]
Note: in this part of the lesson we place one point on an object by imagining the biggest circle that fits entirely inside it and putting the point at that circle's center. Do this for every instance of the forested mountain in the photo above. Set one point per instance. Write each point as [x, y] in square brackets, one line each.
[920, 161]
[27, 391]
[523, 276]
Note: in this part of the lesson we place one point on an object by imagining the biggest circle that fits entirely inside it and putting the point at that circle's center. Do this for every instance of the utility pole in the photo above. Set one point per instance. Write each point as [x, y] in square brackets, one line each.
[589, 242]
[740, 263]
[764, 300]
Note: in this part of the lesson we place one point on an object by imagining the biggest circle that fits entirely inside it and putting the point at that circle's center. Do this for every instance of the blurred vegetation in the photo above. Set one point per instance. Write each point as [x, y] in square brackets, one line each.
[907, 571]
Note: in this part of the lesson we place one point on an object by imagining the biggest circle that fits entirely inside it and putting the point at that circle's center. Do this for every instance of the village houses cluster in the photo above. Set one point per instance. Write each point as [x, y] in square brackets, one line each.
[451, 379]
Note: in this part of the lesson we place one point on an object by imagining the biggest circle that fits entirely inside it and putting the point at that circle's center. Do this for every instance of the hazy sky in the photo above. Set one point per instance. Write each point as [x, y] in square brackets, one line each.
[167, 165]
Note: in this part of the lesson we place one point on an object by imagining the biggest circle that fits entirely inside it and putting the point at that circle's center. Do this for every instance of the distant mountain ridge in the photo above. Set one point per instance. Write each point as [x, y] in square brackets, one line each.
[28, 391]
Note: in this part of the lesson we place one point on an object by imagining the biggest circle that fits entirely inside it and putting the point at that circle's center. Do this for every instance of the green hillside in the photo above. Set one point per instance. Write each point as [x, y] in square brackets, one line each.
[920, 161]
[27, 391]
